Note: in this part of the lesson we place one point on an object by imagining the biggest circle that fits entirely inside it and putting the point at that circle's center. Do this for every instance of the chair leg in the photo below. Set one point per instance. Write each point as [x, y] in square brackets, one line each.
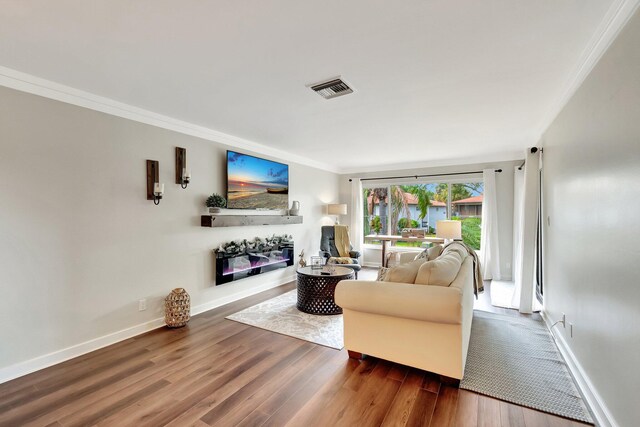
[355, 355]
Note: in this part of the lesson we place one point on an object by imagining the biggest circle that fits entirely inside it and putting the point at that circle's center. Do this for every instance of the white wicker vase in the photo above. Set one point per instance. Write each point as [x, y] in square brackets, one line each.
[177, 308]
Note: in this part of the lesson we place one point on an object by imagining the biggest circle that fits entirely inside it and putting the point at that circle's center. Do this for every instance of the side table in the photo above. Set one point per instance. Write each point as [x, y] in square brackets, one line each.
[316, 290]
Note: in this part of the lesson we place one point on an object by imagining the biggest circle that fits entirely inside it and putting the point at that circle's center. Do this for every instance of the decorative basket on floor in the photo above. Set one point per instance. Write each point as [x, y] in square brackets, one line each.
[177, 308]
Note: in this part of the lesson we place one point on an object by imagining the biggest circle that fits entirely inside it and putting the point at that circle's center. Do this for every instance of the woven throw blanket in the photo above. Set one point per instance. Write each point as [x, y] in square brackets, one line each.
[340, 260]
[478, 282]
[342, 240]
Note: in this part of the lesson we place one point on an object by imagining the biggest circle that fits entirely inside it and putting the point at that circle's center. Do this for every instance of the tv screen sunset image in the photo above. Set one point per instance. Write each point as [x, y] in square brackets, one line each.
[254, 183]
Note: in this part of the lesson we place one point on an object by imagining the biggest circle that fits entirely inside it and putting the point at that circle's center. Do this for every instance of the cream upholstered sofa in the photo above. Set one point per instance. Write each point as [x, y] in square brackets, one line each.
[426, 326]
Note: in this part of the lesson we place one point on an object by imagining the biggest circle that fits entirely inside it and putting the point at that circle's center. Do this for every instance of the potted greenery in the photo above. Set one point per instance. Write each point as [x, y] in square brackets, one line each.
[376, 224]
[215, 202]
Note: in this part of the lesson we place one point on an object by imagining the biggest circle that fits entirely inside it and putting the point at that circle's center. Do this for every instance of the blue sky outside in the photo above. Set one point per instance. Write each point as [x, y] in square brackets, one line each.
[254, 171]
[479, 191]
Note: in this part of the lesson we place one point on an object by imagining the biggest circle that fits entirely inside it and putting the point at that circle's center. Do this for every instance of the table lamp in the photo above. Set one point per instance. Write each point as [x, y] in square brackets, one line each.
[448, 230]
[337, 210]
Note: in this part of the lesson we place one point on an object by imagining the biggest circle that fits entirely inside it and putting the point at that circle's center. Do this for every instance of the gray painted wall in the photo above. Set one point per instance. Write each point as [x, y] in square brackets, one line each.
[592, 197]
[79, 242]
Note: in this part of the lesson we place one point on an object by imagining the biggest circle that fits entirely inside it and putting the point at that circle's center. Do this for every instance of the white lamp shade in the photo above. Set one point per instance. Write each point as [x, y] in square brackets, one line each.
[337, 209]
[449, 229]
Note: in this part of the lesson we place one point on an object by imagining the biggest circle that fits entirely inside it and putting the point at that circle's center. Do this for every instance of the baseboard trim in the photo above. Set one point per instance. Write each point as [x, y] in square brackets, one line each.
[371, 264]
[41, 362]
[243, 294]
[24, 368]
[598, 408]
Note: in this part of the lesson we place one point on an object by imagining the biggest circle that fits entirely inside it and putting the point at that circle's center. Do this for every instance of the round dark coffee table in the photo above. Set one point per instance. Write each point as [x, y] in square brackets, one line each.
[316, 290]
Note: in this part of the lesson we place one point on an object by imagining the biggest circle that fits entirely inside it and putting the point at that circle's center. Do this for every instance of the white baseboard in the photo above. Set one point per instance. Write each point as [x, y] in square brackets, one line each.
[23, 368]
[243, 294]
[603, 416]
[371, 264]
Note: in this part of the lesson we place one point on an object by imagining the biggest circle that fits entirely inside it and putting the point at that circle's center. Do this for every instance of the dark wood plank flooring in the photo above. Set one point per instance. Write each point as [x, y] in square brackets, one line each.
[216, 372]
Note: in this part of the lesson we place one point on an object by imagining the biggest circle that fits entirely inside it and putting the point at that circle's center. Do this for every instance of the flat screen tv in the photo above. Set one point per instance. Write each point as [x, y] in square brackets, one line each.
[255, 183]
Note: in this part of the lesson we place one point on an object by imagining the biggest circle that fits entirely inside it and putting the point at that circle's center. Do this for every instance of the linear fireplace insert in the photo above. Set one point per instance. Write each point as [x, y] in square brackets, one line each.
[253, 262]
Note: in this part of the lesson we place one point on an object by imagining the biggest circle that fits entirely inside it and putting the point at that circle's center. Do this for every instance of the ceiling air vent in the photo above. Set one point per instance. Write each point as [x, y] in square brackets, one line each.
[332, 88]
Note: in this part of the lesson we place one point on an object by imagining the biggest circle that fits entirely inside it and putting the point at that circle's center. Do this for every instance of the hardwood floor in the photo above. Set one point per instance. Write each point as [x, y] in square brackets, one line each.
[223, 373]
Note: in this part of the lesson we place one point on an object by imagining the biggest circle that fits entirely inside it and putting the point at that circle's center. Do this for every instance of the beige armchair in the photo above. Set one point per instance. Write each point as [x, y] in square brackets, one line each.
[423, 326]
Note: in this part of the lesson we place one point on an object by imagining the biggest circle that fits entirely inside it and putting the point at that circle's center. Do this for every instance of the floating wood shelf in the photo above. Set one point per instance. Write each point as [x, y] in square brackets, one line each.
[240, 220]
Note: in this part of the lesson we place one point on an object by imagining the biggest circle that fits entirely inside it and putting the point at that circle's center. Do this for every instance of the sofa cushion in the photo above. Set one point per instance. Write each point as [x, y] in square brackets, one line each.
[404, 273]
[440, 271]
[430, 253]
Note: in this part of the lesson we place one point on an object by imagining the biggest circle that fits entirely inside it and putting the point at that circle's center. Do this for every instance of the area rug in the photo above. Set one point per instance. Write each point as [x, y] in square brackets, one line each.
[516, 359]
[280, 315]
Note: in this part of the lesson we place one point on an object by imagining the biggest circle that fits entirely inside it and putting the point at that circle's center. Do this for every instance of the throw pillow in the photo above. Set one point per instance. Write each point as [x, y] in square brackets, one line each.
[393, 259]
[430, 253]
[404, 273]
[382, 273]
[441, 271]
[340, 260]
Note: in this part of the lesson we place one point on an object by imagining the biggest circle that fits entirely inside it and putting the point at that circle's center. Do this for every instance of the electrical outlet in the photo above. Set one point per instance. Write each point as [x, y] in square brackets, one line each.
[571, 330]
[508, 265]
[142, 304]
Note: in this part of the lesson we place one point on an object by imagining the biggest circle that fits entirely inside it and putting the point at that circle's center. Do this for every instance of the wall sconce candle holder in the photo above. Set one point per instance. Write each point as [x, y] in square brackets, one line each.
[183, 176]
[155, 190]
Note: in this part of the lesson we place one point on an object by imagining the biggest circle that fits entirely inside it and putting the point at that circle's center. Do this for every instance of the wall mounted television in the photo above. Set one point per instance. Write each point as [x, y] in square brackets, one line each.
[255, 183]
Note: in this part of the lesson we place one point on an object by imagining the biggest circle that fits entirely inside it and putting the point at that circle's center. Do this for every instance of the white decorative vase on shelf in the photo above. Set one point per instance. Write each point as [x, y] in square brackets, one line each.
[295, 208]
[215, 210]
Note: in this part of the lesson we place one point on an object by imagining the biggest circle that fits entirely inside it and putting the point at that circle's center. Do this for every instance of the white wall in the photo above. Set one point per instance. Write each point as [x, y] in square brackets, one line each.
[504, 183]
[79, 242]
[592, 198]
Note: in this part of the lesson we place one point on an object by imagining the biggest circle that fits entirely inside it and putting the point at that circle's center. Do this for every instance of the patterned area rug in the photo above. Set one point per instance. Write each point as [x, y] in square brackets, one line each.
[516, 359]
[280, 315]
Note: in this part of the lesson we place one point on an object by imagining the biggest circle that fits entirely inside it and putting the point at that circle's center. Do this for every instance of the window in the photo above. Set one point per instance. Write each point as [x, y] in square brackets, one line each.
[466, 206]
[376, 211]
[389, 209]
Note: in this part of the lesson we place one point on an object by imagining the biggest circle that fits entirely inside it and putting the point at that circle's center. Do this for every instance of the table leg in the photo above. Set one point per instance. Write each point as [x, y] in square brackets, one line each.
[384, 252]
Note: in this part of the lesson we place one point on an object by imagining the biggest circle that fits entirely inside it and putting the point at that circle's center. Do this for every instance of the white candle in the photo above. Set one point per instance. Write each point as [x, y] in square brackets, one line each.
[158, 188]
[184, 173]
[188, 174]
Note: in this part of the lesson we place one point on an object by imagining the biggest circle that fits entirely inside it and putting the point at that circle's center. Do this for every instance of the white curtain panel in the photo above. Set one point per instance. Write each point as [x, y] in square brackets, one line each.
[489, 244]
[356, 214]
[524, 261]
[518, 191]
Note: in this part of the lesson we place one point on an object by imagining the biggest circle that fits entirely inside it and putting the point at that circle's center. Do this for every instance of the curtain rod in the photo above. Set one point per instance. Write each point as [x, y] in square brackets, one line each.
[422, 176]
[533, 150]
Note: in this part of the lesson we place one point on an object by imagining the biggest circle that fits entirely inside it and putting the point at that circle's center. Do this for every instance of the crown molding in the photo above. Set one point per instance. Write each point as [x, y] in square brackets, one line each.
[46, 88]
[613, 22]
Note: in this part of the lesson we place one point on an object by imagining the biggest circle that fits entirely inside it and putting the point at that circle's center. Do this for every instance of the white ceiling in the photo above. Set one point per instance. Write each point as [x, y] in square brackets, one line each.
[435, 81]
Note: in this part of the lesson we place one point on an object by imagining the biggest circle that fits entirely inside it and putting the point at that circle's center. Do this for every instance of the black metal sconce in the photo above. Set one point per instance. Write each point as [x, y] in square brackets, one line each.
[183, 176]
[155, 189]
